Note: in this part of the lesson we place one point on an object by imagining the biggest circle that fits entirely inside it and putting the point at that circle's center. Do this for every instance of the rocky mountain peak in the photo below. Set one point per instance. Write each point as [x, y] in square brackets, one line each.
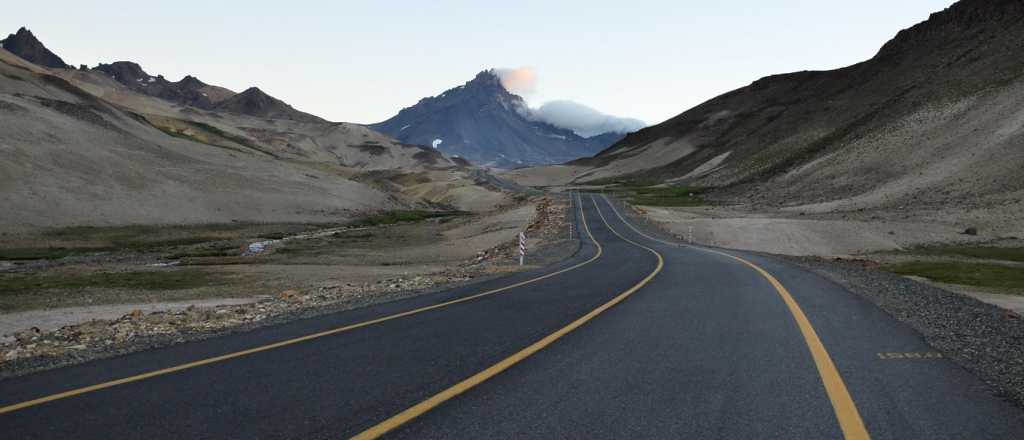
[485, 123]
[255, 92]
[125, 72]
[488, 83]
[961, 20]
[25, 45]
[255, 102]
[191, 82]
[486, 79]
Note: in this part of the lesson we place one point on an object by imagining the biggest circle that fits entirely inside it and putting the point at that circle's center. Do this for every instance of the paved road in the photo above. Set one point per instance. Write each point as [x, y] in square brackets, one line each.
[634, 337]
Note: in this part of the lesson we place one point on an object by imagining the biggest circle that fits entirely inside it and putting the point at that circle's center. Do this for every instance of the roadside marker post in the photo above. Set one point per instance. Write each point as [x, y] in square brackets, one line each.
[573, 218]
[522, 247]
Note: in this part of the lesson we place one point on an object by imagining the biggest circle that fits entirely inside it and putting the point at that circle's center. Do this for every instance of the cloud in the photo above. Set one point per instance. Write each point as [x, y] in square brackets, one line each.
[581, 119]
[522, 80]
[569, 115]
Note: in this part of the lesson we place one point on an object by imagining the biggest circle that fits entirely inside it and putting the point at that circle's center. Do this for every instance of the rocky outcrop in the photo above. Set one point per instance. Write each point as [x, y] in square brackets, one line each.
[254, 102]
[29, 48]
[189, 91]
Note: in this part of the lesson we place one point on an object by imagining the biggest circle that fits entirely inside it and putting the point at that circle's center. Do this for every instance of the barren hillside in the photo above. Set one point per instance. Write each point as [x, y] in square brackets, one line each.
[93, 147]
[933, 119]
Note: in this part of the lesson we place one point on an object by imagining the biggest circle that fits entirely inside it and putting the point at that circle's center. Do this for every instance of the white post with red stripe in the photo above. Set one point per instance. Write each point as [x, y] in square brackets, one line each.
[569, 218]
[522, 247]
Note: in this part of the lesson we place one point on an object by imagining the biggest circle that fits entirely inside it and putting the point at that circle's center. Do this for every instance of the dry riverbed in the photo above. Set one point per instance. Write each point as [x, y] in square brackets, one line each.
[78, 284]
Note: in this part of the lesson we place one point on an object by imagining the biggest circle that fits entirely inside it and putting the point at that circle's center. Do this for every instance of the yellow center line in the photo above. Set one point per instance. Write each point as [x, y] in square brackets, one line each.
[221, 358]
[423, 407]
[846, 412]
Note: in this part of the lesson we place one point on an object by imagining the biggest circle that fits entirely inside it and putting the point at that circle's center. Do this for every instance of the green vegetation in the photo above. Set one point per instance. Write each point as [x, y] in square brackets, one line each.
[202, 133]
[173, 242]
[182, 134]
[127, 237]
[669, 196]
[970, 274]
[980, 252]
[372, 148]
[400, 216]
[240, 140]
[229, 250]
[48, 253]
[162, 280]
[645, 194]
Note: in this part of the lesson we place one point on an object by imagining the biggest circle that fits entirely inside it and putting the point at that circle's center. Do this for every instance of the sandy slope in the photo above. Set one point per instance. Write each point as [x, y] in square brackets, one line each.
[74, 160]
[101, 154]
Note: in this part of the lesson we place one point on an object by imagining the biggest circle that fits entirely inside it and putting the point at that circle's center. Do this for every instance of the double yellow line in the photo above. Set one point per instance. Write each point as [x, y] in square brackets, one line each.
[478, 378]
[238, 354]
[846, 412]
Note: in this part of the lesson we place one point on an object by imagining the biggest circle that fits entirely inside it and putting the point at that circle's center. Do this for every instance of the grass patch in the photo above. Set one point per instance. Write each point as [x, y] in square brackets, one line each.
[220, 251]
[48, 253]
[669, 196]
[162, 280]
[143, 237]
[646, 195]
[221, 260]
[981, 252]
[172, 241]
[968, 274]
[297, 247]
[402, 216]
[372, 148]
[101, 233]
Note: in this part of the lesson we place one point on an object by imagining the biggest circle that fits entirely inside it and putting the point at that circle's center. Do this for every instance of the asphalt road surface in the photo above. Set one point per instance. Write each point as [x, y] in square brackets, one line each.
[636, 336]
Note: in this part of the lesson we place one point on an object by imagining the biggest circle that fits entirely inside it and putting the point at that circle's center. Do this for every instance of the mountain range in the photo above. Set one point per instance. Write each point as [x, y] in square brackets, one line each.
[113, 145]
[483, 122]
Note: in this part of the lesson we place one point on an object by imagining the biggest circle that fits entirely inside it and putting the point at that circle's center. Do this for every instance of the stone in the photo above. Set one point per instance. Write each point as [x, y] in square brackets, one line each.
[288, 294]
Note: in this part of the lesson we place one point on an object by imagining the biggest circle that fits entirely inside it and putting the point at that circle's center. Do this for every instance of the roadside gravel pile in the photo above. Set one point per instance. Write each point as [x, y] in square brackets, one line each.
[548, 225]
[984, 339]
[33, 349]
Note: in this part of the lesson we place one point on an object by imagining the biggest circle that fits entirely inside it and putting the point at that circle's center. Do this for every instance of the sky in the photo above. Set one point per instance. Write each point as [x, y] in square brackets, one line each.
[362, 61]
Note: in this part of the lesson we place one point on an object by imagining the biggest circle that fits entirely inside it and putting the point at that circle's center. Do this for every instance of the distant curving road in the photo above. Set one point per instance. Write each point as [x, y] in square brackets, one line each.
[636, 336]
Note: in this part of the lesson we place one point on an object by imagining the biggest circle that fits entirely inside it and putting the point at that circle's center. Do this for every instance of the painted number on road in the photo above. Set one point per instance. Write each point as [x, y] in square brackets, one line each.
[910, 355]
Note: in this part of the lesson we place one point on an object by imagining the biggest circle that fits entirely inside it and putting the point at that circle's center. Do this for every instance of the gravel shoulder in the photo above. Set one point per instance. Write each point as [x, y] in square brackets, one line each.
[983, 338]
